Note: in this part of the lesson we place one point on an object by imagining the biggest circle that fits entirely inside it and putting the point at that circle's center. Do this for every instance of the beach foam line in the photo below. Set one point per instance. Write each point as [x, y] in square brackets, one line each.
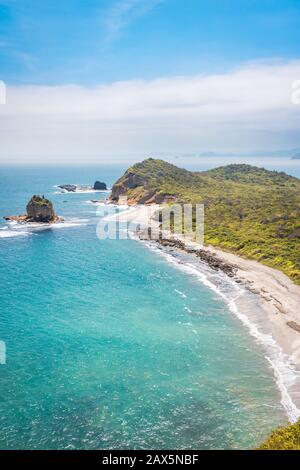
[283, 367]
[281, 363]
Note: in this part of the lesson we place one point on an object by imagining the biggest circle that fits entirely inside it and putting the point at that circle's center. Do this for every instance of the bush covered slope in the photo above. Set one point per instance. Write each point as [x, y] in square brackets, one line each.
[285, 438]
[248, 210]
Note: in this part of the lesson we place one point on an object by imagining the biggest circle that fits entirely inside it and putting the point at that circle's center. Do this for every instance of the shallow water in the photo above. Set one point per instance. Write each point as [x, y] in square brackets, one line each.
[110, 345]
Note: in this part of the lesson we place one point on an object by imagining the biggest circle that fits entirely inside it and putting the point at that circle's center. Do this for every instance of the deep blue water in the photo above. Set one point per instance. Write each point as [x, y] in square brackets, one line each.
[111, 346]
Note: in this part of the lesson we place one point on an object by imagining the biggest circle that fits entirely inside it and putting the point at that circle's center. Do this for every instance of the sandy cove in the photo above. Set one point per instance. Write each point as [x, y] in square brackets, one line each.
[279, 296]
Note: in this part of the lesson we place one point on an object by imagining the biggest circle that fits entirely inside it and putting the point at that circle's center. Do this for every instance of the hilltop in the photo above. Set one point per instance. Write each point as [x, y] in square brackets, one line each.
[249, 211]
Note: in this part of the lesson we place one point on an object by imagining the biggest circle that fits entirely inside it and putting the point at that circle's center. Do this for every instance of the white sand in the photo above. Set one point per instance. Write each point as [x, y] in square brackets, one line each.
[280, 297]
[277, 295]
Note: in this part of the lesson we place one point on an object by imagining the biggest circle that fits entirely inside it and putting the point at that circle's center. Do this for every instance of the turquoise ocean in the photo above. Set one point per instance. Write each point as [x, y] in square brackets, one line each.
[114, 344]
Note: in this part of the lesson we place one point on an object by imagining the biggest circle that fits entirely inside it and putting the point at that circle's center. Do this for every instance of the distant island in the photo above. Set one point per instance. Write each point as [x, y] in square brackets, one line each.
[288, 153]
[296, 156]
[250, 211]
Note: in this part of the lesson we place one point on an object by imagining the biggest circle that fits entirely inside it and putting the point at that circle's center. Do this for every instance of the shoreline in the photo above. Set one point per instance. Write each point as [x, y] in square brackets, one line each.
[278, 297]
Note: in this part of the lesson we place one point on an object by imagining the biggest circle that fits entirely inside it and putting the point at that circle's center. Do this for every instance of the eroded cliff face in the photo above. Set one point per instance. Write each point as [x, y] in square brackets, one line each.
[137, 190]
[127, 182]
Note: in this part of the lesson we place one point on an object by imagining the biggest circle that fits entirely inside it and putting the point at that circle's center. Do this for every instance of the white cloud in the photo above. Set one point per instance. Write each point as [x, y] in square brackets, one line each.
[249, 108]
[123, 12]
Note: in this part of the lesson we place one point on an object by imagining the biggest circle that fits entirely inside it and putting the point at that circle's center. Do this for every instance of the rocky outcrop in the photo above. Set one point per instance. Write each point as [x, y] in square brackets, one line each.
[39, 209]
[294, 326]
[162, 198]
[70, 188]
[211, 259]
[138, 191]
[99, 186]
[127, 182]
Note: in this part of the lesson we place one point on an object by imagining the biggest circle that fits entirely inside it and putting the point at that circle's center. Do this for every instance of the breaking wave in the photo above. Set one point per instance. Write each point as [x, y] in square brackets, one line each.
[235, 297]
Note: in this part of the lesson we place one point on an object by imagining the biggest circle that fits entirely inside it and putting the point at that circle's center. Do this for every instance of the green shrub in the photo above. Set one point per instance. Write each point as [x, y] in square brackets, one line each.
[40, 200]
[284, 438]
[249, 211]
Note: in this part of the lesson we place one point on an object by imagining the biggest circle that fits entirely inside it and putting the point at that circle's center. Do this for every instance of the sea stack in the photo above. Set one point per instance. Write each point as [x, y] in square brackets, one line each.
[39, 209]
[98, 185]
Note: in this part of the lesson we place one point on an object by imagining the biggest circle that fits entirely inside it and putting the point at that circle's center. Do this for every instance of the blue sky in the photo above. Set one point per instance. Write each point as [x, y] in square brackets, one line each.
[92, 41]
[90, 81]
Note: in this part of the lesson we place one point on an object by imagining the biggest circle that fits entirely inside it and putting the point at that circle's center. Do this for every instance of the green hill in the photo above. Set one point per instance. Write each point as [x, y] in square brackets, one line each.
[248, 210]
[284, 438]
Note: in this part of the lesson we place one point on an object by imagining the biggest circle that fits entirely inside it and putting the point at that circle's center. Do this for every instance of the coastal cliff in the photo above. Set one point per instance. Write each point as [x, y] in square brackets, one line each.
[249, 211]
[140, 186]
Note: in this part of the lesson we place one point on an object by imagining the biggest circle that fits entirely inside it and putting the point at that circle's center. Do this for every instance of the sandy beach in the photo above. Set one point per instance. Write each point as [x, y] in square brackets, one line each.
[279, 297]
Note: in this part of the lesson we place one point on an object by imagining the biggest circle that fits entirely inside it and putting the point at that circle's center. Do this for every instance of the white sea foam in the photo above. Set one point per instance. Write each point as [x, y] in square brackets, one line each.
[70, 223]
[12, 233]
[95, 203]
[92, 191]
[180, 293]
[81, 190]
[284, 369]
[188, 309]
[18, 229]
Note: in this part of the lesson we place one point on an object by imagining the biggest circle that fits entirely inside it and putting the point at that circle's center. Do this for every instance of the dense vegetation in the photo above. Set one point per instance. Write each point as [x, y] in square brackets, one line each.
[40, 200]
[248, 210]
[285, 438]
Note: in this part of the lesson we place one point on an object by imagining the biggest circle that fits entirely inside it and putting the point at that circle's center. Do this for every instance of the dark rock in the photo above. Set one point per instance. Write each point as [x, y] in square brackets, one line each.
[294, 326]
[39, 209]
[71, 188]
[212, 260]
[100, 186]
